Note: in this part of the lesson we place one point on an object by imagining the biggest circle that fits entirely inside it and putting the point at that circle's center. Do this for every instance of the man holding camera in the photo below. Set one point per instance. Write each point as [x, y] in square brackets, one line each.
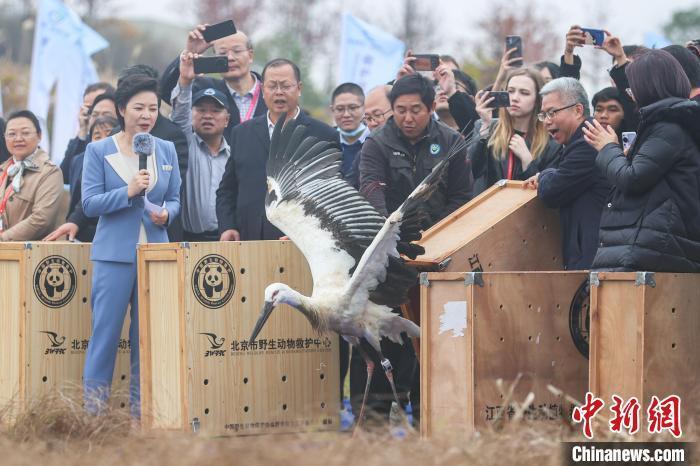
[203, 117]
[241, 86]
[393, 161]
[576, 187]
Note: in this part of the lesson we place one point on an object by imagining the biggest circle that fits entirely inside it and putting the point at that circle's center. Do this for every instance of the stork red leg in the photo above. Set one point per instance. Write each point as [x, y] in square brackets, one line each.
[370, 371]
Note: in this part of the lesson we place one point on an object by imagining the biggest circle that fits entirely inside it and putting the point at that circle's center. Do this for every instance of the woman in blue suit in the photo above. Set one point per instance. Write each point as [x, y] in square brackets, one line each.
[112, 187]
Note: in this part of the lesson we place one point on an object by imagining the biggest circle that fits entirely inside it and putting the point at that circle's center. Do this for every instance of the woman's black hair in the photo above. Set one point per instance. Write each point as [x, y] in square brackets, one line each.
[656, 75]
[129, 87]
[25, 114]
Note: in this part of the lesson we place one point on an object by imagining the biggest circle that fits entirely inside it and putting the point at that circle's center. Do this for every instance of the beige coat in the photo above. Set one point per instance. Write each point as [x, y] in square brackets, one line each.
[31, 214]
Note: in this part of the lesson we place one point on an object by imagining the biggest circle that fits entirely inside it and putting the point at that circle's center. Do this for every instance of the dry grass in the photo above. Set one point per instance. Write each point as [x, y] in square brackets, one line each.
[54, 430]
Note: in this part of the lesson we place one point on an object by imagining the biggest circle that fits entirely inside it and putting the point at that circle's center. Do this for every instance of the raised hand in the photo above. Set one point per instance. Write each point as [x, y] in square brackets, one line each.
[195, 40]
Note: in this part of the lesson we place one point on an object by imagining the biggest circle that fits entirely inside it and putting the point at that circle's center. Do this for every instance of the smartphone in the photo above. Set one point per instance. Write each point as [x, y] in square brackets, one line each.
[593, 36]
[628, 139]
[425, 62]
[219, 30]
[207, 65]
[515, 42]
[500, 99]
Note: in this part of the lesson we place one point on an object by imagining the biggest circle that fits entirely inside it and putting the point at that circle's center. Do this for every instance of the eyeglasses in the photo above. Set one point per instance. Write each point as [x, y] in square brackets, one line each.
[542, 116]
[376, 116]
[234, 52]
[284, 87]
[24, 135]
[340, 109]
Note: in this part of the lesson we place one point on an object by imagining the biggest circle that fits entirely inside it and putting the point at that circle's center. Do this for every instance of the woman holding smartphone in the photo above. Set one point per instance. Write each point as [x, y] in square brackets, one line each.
[113, 187]
[516, 145]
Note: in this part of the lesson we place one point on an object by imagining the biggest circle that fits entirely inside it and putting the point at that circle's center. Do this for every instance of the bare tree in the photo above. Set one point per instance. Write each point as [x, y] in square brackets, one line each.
[246, 14]
[540, 41]
[418, 26]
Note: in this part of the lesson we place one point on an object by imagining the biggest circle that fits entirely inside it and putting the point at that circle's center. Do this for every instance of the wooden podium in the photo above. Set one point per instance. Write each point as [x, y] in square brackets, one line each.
[198, 305]
[45, 322]
[644, 333]
[481, 327]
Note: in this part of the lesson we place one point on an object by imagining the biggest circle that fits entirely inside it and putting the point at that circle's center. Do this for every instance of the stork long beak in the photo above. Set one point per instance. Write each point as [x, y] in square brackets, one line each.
[264, 315]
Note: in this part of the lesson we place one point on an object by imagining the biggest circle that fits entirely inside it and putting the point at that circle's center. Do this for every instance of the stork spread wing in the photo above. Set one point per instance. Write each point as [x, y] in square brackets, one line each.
[328, 220]
[375, 269]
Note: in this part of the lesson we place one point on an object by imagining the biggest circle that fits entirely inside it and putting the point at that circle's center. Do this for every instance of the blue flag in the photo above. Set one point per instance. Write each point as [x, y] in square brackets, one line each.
[61, 53]
[368, 56]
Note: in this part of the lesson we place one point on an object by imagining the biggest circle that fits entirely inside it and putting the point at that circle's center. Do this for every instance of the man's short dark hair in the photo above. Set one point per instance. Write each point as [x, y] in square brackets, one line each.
[101, 86]
[689, 62]
[100, 98]
[656, 75]
[413, 84]
[467, 81]
[136, 70]
[130, 86]
[606, 94]
[277, 62]
[29, 115]
[348, 88]
[552, 67]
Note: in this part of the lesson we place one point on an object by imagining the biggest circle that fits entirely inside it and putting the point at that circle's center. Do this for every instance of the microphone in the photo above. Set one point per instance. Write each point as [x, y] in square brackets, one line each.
[142, 146]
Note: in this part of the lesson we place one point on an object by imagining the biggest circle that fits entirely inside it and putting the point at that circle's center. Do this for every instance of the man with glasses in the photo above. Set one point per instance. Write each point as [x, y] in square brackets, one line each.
[240, 199]
[240, 85]
[576, 187]
[377, 107]
[347, 107]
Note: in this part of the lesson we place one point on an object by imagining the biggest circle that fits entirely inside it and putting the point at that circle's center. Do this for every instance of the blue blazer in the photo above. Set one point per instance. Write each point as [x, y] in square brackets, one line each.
[104, 193]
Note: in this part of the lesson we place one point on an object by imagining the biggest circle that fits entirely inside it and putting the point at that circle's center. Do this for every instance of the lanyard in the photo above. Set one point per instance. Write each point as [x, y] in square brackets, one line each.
[511, 163]
[254, 102]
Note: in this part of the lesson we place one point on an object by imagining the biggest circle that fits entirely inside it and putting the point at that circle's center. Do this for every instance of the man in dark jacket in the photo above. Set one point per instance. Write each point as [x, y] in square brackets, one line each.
[4, 155]
[242, 86]
[393, 161]
[240, 199]
[576, 187]
[397, 157]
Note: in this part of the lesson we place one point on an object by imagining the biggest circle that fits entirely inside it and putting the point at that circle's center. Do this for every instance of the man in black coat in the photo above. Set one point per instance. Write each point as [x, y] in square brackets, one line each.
[4, 154]
[240, 199]
[576, 187]
[242, 86]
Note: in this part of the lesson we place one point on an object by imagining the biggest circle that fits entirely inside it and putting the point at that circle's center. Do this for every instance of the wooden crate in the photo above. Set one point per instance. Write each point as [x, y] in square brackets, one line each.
[196, 369]
[481, 327]
[643, 338]
[45, 322]
[504, 228]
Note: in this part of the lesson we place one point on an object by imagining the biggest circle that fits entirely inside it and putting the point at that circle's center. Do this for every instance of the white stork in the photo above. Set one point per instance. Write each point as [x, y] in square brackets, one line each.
[353, 251]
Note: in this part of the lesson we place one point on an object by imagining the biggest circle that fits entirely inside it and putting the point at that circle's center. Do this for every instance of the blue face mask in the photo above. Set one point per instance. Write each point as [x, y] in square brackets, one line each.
[351, 134]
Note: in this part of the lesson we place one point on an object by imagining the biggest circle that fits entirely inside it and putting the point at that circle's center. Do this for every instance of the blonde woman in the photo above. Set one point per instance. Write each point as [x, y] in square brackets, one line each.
[516, 145]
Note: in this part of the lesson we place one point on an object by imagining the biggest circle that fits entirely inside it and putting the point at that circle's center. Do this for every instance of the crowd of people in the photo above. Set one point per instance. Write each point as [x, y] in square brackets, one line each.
[623, 169]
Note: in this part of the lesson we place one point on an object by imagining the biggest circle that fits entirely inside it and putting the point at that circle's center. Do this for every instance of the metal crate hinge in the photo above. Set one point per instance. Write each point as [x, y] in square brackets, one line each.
[594, 279]
[645, 278]
[423, 280]
[443, 265]
[474, 278]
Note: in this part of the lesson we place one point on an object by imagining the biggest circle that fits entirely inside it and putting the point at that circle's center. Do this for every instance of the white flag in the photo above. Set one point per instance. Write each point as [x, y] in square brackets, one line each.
[368, 56]
[62, 48]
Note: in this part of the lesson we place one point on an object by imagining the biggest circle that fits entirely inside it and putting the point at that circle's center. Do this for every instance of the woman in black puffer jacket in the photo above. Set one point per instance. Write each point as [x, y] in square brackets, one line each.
[651, 221]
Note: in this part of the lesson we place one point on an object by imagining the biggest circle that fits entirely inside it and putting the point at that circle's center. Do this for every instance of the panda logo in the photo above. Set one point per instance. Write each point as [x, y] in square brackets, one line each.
[55, 281]
[213, 281]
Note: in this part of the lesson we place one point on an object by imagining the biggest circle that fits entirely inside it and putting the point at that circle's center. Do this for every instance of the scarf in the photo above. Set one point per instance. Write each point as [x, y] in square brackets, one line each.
[16, 170]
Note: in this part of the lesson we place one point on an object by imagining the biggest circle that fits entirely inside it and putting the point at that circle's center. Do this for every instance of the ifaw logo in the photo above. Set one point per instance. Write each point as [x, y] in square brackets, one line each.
[213, 281]
[56, 343]
[215, 344]
[55, 281]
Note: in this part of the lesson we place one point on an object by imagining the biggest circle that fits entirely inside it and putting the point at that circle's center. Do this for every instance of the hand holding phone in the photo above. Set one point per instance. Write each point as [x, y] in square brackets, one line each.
[515, 42]
[593, 36]
[500, 99]
[219, 30]
[425, 62]
[208, 65]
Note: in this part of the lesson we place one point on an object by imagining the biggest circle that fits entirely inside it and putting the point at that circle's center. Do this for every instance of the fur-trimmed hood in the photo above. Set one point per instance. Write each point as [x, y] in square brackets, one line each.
[683, 112]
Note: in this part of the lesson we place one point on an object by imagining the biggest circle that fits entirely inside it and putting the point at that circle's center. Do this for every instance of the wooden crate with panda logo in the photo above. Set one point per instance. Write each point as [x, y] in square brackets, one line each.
[198, 305]
[45, 322]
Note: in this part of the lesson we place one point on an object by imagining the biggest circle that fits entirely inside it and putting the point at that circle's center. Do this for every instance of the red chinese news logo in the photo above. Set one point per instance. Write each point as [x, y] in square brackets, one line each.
[662, 415]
